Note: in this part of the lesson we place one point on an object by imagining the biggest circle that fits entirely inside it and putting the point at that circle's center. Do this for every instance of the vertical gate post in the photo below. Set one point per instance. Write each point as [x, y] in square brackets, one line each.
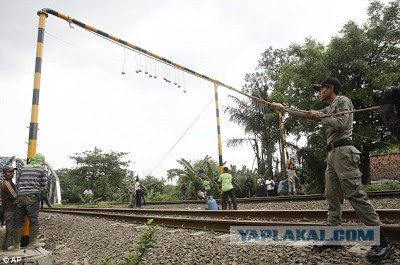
[33, 126]
[220, 161]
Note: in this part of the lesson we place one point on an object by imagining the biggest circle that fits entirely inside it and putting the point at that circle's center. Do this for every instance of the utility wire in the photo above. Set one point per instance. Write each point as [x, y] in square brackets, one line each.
[138, 64]
[170, 63]
[78, 47]
[265, 102]
[180, 138]
[376, 140]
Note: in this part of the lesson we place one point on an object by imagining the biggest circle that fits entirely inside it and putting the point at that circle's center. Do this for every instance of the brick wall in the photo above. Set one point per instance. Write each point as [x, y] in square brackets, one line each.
[385, 167]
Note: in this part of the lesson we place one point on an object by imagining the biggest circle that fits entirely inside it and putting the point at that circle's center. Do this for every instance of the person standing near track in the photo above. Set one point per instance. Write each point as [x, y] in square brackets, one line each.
[270, 186]
[32, 178]
[8, 196]
[227, 189]
[261, 187]
[281, 186]
[183, 191]
[44, 198]
[207, 187]
[144, 192]
[88, 195]
[342, 175]
[276, 183]
[249, 186]
[138, 193]
[131, 193]
[292, 176]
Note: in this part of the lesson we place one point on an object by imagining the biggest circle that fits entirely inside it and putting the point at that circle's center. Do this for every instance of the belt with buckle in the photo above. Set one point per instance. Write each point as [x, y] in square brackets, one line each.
[342, 142]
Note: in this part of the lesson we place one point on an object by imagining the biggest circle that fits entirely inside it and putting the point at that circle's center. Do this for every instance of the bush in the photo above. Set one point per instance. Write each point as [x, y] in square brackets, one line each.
[163, 197]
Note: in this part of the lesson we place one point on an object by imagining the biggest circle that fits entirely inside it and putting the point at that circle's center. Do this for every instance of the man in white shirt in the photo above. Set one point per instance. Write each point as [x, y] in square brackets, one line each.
[87, 195]
[270, 183]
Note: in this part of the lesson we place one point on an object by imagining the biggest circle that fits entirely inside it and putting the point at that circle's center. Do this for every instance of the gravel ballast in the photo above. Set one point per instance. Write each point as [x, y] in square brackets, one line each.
[77, 239]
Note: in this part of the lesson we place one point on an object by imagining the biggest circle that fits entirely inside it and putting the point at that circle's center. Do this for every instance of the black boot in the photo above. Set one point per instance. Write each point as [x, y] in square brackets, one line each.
[381, 252]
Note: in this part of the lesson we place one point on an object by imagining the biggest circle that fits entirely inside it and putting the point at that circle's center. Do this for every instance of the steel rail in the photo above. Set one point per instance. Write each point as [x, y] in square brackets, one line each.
[218, 225]
[311, 197]
[386, 215]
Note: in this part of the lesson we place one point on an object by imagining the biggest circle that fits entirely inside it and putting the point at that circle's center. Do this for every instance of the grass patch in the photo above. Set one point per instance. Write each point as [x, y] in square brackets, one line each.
[387, 186]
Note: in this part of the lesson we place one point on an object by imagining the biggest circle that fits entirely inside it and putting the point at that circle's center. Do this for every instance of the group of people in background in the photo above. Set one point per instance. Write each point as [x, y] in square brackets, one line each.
[272, 187]
[136, 194]
[225, 186]
[260, 187]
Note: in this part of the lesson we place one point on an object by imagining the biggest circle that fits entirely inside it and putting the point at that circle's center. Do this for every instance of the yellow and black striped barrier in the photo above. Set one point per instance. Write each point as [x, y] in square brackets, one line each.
[220, 161]
[33, 127]
[150, 54]
[43, 14]
[284, 143]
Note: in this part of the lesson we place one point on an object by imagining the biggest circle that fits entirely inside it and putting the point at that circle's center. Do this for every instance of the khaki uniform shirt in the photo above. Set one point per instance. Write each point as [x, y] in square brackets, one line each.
[340, 126]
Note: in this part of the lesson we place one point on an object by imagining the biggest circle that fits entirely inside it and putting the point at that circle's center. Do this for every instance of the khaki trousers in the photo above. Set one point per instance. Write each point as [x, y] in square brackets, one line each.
[343, 180]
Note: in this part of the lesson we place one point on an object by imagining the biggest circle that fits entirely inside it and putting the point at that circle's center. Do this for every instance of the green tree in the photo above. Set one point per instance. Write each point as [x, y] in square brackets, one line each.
[190, 177]
[104, 173]
[292, 87]
[208, 169]
[239, 179]
[372, 57]
[153, 186]
[257, 120]
[71, 187]
[363, 58]
[172, 174]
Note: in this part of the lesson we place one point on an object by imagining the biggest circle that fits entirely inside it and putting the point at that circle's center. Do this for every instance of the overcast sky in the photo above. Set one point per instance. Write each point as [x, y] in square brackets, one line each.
[86, 102]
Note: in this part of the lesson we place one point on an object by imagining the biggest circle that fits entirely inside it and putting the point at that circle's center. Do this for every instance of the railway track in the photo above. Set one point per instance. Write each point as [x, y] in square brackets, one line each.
[222, 220]
[311, 197]
[389, 216]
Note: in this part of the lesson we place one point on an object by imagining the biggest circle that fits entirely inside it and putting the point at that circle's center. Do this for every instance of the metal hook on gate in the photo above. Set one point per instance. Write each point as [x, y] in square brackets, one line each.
[69, 19]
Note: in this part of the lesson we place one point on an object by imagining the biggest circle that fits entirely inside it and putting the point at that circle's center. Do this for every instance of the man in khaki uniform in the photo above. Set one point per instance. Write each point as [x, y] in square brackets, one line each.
[342, 175]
